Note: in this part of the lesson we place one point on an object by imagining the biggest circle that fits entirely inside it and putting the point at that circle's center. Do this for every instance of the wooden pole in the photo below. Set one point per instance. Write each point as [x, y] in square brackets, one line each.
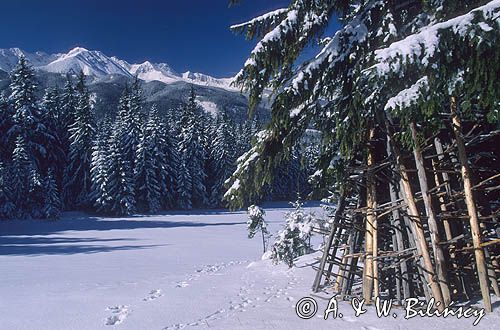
[338, 212]
[370, 281]
[491, 272]
[446, 180]
[439, 258]
[398, 243]
[417, 228]
[482, 271]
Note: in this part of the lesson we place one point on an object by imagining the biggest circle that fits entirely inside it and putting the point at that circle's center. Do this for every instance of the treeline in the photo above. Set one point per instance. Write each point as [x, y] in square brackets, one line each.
[55, 154]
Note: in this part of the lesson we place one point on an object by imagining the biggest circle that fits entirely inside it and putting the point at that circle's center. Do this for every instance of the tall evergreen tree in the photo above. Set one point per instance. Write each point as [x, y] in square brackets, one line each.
[120, 176]
[149, 162]
[223, 156]
[5, 126]
[192, 155]
[27, 115]
[77, 178]
[100, 166]
[21, 173]
[52, 120]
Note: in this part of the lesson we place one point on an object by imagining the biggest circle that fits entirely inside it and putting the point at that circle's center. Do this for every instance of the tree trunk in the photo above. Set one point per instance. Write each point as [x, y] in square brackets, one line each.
[439, 258]
[482, 271]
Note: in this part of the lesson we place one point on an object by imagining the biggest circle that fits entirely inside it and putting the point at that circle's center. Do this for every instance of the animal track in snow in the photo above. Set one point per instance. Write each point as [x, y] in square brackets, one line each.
[154, 294]
[120, 313]
[249, 295]
[211, 269]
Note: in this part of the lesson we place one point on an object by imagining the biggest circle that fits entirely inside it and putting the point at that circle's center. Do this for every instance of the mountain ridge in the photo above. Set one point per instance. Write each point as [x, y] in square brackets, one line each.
[99, 65]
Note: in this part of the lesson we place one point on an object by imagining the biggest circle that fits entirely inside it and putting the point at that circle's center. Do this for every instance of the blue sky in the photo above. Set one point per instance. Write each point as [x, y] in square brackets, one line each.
[188, 34]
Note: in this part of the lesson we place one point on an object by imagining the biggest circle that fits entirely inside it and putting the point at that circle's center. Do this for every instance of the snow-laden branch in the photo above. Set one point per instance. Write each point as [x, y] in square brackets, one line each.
[408, 97]
[424, 44]
[266, 17]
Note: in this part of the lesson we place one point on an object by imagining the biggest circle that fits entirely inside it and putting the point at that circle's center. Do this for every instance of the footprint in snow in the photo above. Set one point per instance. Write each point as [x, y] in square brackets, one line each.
[182, 284]
[120, 313]
[154, 294]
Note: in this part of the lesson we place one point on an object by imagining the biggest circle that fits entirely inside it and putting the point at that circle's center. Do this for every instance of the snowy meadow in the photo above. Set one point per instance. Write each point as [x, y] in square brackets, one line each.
[193, 270]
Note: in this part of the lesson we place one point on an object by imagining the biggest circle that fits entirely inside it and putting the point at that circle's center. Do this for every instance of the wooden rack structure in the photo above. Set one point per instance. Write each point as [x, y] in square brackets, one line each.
[421, 221]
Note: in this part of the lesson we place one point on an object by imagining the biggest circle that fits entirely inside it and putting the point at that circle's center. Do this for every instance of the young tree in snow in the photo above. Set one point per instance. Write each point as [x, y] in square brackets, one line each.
[257, 223]
[294, 239]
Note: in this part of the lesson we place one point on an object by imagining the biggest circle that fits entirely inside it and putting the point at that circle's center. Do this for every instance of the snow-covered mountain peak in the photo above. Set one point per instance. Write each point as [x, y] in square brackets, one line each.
[77, 50]
[203, 79]
[97, 64]
[152, 71]
[91, 62]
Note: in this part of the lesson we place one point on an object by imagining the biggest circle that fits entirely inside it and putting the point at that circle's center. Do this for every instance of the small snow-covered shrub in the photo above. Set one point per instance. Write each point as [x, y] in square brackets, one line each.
[257, 223]
[294, 239]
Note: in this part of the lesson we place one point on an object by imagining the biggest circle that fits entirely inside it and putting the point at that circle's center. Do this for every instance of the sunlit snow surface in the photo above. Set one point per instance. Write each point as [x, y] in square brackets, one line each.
[194, 270]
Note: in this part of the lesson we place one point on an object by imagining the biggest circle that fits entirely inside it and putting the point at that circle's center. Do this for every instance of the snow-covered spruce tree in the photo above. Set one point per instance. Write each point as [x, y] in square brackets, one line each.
[223, 158]
[184, 185]
[129, 116]
[22, 166]
[55, 126]
[120, 180]
[301, 89]
[68, 103]
[27, 115]
[192, 156]
[52, 201]
[100, 166]
[6, 142]
[347, 91]
[147, 187]
[77, 178]
[257, 223]
[7, 207]
[318, 93]
[168, 163]
[294, 239]
[154, 166]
